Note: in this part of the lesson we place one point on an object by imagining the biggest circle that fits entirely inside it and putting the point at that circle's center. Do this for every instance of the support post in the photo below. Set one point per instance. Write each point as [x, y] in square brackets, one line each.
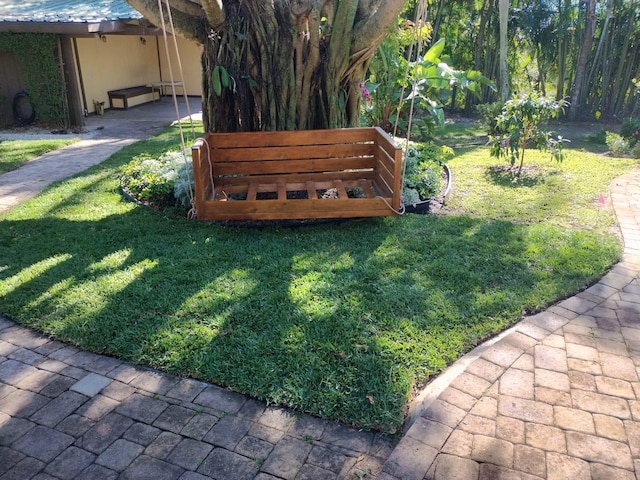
[70, 75]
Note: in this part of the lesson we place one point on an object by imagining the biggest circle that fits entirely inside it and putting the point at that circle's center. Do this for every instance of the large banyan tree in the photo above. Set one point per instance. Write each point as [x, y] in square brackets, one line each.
[280, 64]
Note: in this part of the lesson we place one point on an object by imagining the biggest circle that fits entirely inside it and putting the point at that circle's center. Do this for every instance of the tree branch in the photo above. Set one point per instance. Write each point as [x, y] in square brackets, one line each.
[213, 11]
[374, 26]
[188, 7]
[188, 15]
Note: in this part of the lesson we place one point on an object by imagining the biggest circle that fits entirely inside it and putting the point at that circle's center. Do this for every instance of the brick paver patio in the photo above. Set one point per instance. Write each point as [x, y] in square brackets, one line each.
[69, 414]
[554, 398]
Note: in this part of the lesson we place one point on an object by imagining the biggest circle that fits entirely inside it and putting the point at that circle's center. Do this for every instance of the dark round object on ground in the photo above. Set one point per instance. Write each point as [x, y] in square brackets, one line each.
[23, 111]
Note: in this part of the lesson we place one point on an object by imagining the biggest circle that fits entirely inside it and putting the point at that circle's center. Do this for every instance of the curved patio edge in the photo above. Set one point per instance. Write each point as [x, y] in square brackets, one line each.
[555, 396]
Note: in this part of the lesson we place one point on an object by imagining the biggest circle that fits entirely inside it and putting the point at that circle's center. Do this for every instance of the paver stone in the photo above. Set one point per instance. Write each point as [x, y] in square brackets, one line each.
[149, 468]
[189, 454]
[600, 450]
[70, 463]
[43, 443]
[91, 385]
[222, 463]
[119, 455]
[563, 467]
[410, 460]
[142, 408]
[492, 450]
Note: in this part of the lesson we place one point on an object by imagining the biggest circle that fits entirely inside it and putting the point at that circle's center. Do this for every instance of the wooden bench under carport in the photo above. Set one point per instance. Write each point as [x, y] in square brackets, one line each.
[124, 94]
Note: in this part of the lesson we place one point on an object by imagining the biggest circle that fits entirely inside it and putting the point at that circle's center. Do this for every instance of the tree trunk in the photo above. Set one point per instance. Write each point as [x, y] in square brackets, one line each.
[583, 58]
[626, 56]
[604, 39]
[564, 8]
[438, 20]
[481, 49]
[282, 64]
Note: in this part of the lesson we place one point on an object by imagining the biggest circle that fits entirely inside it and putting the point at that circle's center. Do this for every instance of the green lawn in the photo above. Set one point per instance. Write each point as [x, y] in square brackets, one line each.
[14, 153]
[342, 320]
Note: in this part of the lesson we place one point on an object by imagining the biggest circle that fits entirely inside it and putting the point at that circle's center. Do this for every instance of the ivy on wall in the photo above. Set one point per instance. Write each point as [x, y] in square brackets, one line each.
[37, 54]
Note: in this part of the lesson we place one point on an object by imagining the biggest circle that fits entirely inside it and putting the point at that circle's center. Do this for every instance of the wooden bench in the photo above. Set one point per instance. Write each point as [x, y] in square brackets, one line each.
[125, 94]
[310, 174]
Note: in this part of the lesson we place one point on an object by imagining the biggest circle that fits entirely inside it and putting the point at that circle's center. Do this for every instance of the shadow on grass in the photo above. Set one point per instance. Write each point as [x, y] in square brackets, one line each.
[508, 176]
[339, 320]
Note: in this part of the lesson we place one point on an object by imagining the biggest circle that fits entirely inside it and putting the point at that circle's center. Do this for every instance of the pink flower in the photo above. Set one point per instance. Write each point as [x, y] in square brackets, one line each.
[365, 92]
[636, 133]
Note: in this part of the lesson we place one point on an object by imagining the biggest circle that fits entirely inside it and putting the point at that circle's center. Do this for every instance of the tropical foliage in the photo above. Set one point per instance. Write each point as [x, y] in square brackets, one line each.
[585, 51]
[401, 79]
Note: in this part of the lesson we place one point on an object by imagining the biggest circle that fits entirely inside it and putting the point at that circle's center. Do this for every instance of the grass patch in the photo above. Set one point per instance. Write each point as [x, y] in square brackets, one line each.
[566, 195]
[15, 153]
[459, 134]
[342, 320]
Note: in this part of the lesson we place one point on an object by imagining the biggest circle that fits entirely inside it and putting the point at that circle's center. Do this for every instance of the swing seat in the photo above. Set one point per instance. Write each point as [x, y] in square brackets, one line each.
[296, 175]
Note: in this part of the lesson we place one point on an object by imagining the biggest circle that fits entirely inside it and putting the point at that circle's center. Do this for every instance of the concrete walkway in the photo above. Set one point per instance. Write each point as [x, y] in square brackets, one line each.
[556, 397]
[104, 135]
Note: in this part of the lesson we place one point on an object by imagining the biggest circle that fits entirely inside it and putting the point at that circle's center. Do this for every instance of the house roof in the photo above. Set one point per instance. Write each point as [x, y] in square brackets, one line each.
[67, 16]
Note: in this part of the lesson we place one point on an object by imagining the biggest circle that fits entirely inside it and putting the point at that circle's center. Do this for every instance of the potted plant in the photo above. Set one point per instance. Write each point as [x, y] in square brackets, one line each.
[426, 176]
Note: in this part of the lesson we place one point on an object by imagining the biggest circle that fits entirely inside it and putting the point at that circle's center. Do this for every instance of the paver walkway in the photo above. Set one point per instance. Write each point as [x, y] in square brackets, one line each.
[556, 397]
[104, 136]
[70, 414]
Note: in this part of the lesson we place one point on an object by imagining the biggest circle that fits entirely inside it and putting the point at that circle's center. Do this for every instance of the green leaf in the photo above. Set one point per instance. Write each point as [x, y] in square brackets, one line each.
[224, 77]
[217, 82]
[433, 54]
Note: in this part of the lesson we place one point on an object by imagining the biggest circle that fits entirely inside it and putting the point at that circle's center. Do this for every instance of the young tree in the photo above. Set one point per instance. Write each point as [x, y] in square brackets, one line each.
[281, 64]
[520, 126]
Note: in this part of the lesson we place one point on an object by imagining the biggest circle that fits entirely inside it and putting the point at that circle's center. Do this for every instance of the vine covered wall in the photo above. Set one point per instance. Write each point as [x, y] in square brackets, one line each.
[37, 54]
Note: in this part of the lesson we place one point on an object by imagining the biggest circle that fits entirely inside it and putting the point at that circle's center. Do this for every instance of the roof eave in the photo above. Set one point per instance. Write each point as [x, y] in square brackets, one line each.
[85, 28]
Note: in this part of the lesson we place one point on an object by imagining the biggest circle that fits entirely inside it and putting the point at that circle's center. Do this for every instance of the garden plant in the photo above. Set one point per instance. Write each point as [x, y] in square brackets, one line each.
[428, 81]
[521, 125]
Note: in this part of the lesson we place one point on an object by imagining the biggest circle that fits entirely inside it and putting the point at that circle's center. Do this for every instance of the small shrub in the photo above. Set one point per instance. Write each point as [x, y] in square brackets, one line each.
[518, 127]
[152, 180]
[635, 151]
[184, 186]
[489, 112]
[630, 130]
[422, 176]
[617, 144]
[598, 137]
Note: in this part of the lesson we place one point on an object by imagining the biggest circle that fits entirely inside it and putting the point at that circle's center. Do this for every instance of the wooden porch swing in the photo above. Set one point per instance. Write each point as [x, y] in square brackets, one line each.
[307, 174]
[295, 175]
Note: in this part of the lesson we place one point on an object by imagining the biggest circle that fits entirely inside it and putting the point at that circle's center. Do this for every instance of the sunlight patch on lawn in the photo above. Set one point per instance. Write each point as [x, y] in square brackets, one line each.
[110, 262]
[217, 301]
[313, 276]
[87, 297]
[32, 272]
